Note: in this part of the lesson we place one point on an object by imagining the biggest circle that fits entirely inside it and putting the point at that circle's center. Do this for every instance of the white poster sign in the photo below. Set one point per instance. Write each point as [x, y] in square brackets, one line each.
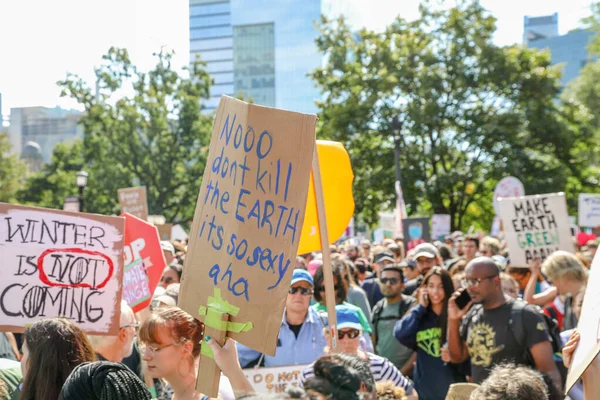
[275, 379]
[589, 210]
[56, 263]
[588, 327]
[535, 226]
[440, 226]
[507, 187]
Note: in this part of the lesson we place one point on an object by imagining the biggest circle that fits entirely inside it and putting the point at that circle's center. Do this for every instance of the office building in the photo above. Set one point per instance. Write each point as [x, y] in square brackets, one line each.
[261, 49]
[543, 27]
[40, 129]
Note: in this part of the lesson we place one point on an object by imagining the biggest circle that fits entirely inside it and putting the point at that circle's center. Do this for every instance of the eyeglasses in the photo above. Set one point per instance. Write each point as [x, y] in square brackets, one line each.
[152, 350]
[352, 334]
[392, 281]
[465, 283]
[322, 288]
[303, 291]
[136, 326]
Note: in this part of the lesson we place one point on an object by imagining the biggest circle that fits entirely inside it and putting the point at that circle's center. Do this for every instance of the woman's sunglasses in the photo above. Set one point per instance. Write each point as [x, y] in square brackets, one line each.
[303, 291]
[352, 334]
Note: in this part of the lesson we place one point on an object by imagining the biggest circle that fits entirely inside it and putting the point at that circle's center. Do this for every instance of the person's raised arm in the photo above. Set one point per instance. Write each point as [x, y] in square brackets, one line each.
[226, 358]
[529, 295]
[456, 347]
[591, 376]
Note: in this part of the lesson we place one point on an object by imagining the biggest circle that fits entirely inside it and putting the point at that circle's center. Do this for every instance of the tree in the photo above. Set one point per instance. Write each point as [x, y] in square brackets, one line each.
[139, 128]
[459, 112]
[12, 171]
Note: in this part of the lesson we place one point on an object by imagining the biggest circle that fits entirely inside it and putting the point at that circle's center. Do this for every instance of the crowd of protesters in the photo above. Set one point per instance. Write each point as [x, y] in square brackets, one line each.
[406, 330]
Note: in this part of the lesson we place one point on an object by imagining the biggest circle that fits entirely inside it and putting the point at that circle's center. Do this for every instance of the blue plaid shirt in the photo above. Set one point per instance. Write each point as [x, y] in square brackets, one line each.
[291, 350]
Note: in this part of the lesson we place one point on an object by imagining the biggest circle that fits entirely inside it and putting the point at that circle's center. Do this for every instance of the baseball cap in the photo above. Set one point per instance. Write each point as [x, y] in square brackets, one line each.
[347, 318]
[170, 296]
[383, 256]
[167, 246]
[426, 250]
[302, 275]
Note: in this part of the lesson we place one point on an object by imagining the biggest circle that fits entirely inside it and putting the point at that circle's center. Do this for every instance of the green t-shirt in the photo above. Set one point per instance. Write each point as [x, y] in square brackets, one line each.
[387, 344]
[13, 378]
[361, 315]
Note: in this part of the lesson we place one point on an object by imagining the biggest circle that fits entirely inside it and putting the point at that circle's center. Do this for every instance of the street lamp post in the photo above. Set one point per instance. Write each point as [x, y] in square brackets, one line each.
[82, 178]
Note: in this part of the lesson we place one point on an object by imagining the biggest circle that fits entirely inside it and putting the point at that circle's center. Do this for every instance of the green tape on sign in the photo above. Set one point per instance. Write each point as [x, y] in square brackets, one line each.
[216, 308]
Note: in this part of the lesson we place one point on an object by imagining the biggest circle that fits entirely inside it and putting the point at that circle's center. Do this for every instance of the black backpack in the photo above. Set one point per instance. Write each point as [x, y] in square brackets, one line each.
[403, 307]
[517, 327]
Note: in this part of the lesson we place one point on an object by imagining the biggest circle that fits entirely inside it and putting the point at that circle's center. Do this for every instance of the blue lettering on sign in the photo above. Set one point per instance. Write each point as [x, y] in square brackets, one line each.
[269, 179]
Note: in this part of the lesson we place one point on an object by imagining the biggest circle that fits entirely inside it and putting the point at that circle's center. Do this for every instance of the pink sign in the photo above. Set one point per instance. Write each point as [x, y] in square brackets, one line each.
[136, 287]
[507, 187]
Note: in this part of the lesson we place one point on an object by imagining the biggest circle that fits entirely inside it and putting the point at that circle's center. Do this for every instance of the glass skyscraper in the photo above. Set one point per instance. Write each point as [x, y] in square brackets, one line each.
[261, 49]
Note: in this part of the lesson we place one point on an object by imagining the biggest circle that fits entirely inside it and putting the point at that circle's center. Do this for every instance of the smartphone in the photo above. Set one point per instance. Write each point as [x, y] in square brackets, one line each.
[463, 299]
[426, 296]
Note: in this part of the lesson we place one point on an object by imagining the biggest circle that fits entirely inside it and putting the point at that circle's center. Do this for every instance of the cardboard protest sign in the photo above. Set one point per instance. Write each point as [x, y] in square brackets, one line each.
[133, 201]
[440, 226]
[246, 228]
[507, 187]
[56, 263]
[141, 243]
[164, 231]
[589, 210]
[275, 379]
[588, 327]
[535, 226]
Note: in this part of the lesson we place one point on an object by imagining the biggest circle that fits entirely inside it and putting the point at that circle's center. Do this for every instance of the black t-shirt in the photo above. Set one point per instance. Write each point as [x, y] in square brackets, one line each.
[295, 329]
[412, 285]
[491, 341]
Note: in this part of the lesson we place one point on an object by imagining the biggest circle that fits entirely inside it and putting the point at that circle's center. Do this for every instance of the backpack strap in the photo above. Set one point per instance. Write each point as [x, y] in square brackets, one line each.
[375, 319]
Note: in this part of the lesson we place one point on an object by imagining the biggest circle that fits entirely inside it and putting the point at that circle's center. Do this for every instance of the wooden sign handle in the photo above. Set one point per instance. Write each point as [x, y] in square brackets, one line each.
[327, 270]
[209, 373]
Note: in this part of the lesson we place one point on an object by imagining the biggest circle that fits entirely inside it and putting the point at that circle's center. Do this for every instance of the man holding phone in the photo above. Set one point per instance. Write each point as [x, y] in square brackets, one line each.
[485, 332]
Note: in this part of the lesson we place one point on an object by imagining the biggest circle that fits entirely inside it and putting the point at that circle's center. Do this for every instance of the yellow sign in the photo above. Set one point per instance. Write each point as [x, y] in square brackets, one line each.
[337, 177]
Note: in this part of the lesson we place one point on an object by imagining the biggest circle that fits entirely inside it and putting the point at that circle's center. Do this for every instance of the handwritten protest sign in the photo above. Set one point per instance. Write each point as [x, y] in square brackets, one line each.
[535, 226]
[133, 201]
[589, 210]
[56, 263]
[507, 187]
[141, 243]
[164, 231]
[416, 230]
[588, 327]
[440, 226]
[248, 218]
[275, 379]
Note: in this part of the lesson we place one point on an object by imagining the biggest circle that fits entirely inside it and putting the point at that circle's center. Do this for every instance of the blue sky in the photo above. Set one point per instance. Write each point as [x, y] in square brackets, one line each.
[42, 40]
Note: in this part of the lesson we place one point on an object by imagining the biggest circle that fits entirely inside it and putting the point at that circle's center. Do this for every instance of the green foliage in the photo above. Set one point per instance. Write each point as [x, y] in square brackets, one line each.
[461, 111]
[139, 128]
[12, 171]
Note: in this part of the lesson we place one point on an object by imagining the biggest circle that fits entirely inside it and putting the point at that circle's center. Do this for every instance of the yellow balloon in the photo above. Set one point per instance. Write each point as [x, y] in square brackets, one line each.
[336, 177]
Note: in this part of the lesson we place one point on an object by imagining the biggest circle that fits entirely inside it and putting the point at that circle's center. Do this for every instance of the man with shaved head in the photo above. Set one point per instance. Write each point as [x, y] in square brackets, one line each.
[486, 331]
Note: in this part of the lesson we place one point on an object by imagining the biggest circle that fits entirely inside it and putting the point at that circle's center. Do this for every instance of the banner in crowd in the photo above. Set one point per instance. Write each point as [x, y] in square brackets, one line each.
[588, 327]
[416, 231]
[336, 180]
[56, 263]
[248, 219]
[535, 226]
[133, 201]
[507, 187]
[275, 379]
[440, 226]
[589, 210]
[141, 278]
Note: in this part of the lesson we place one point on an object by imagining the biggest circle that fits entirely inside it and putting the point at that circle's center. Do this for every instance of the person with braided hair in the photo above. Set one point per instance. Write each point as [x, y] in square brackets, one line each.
[52, 348]
[103, 380]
